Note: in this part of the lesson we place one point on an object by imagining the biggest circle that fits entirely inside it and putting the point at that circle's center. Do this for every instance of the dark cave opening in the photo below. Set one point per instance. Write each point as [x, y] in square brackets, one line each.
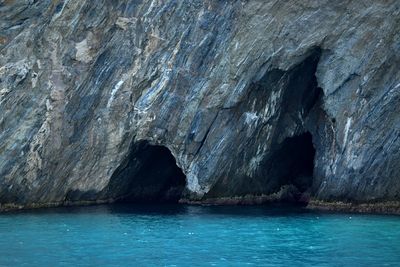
[285, 172]
[293, 160]
[299, 160]
[148, 174]
[292, 165]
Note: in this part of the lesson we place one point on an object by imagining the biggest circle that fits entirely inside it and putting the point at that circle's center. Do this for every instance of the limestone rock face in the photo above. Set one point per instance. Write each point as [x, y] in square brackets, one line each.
[248, 96]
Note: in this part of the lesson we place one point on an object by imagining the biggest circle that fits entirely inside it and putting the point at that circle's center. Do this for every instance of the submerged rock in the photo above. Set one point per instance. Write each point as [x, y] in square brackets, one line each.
[230, 88]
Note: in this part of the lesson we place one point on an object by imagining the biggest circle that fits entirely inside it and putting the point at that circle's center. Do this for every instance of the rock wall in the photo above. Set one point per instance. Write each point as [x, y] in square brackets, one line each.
[224, 85]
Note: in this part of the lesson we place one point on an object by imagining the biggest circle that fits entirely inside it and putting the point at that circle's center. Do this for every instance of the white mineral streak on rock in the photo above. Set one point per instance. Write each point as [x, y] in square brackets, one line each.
[346, 131]
[151, 7]
[193, 181]
[353, 160]
[150, 95]
[271, 107]
[255, 161]
[34, 79]
[114, 90]
[251, 118]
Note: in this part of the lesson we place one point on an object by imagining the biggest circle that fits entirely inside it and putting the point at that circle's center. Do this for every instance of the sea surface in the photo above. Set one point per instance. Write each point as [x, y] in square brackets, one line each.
[173, 235]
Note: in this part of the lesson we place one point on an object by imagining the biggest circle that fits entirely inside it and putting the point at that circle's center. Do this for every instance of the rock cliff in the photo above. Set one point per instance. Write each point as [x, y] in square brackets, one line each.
[199, 101]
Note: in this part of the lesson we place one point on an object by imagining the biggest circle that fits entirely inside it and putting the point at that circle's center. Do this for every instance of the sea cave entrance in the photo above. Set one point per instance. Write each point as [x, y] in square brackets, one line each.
[292, 166]
[148, 174]
[299, 161]
[291, 163]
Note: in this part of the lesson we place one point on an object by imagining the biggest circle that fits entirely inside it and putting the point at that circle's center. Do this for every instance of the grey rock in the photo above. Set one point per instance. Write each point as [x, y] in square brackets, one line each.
[249, 97]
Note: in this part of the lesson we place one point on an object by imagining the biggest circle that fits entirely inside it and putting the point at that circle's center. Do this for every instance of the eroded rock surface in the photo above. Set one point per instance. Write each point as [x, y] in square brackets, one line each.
[223, 85]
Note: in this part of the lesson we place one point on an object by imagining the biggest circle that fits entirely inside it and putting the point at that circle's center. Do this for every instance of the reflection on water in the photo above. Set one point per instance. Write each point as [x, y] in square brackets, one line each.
[180, 235]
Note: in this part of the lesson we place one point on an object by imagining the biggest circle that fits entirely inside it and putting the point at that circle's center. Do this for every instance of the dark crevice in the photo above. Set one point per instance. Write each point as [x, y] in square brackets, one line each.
[206, 134]
[302, 92]
[293, 162]
[290, 163]
[289, 169]
[148, 174]
[285, 173]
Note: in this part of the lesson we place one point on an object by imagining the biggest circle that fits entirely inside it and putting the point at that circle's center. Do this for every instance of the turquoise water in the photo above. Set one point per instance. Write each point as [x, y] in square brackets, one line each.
[196, 236]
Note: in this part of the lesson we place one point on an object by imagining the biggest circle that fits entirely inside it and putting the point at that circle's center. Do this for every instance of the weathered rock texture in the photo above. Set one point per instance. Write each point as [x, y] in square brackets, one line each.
[250, 97]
